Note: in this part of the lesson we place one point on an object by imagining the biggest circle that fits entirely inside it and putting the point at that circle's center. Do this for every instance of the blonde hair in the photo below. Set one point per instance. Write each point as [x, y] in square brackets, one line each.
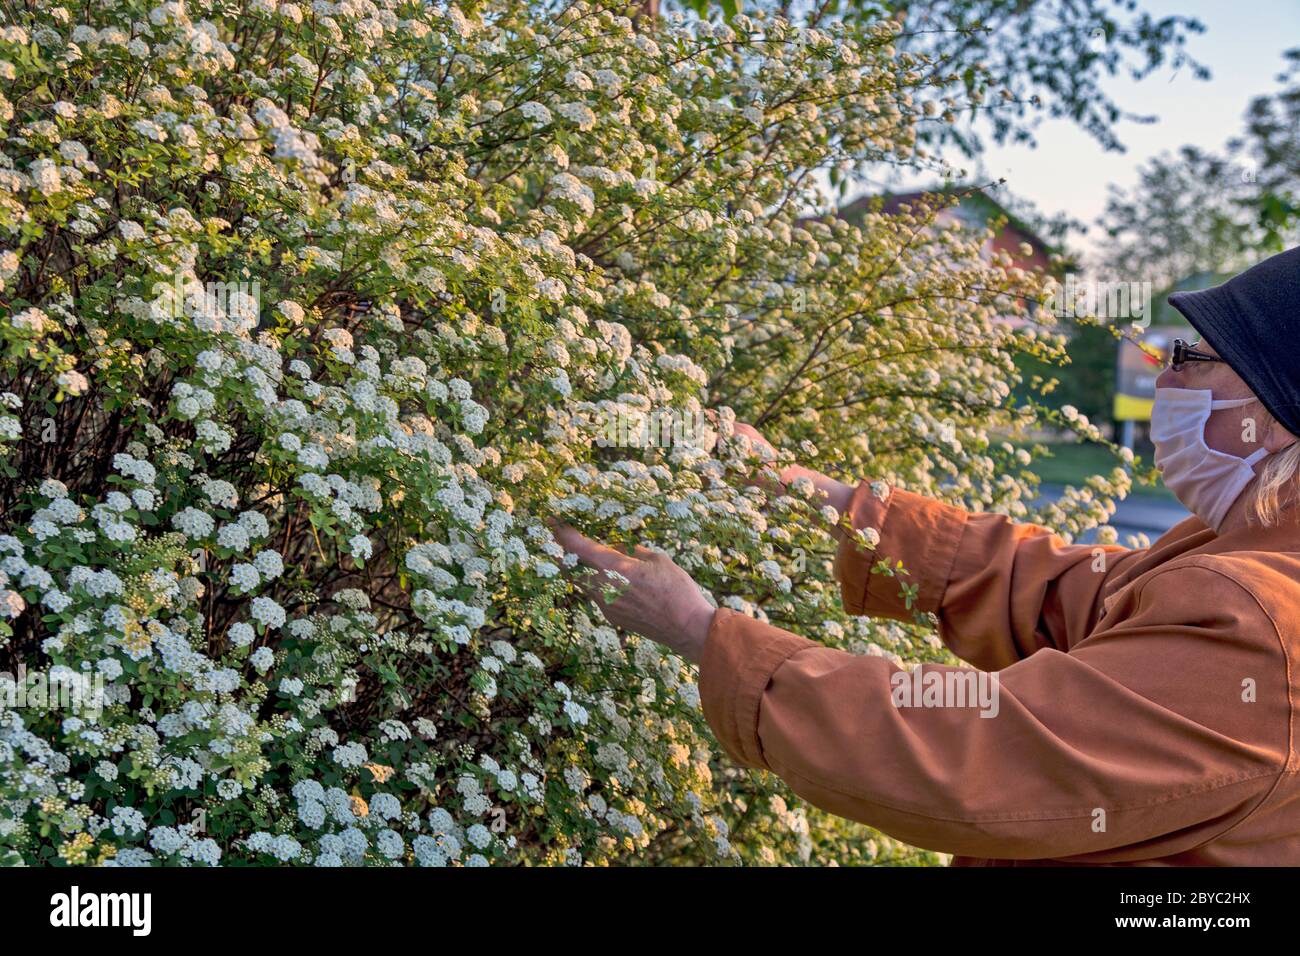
[1277, 479]
[1279, 473]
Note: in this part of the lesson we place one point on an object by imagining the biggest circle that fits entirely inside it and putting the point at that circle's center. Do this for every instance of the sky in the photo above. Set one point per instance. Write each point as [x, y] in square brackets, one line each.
[1069, 171]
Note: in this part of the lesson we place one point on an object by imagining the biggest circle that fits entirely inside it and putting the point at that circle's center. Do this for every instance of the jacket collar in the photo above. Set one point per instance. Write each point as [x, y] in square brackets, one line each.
[1193, 536]
[1242, 532]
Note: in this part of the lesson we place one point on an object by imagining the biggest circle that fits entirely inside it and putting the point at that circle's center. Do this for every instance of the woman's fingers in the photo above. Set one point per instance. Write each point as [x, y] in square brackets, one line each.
[591, 553]
[753, 434]
[644, 592]
[598, 589]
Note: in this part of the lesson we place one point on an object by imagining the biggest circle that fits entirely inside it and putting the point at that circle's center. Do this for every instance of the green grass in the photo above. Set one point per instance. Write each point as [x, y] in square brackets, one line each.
[1071, 462]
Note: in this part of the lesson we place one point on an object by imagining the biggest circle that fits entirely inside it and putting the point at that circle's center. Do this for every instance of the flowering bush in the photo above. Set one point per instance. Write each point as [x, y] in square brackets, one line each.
[313, 314]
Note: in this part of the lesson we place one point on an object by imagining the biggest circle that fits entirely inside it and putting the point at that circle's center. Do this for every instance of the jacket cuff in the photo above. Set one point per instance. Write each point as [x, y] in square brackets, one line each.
[922, 533]
[740, 656]
[853, 563]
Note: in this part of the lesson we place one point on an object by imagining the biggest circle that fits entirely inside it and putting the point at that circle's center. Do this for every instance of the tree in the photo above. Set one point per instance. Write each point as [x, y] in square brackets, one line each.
[1047, 55]
[311, 321]
[1214, 211]
[1187, 213]
[1273, 141]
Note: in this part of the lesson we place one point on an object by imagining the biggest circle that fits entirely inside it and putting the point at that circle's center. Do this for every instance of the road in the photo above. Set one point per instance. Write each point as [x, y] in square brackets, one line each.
[1150, 515]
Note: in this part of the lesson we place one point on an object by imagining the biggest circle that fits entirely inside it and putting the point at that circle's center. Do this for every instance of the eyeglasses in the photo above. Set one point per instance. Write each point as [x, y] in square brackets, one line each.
[1184, 353]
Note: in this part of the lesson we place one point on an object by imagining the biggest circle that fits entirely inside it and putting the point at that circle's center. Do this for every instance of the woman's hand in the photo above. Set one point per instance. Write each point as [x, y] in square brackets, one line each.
[835, 493]
[754, 435]
[660, 600]
[756, 438]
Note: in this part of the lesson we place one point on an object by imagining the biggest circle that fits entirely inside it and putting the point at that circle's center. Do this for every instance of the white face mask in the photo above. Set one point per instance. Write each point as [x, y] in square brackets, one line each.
[1205, 480]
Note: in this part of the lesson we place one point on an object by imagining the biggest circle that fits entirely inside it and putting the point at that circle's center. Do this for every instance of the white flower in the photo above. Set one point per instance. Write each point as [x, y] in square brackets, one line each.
[221, 493]
[11, 603]
[351, 755]
[262, 659]
[245, 577]
[45, 176]
[267, 612]
[32, 320]
[73, 382]
[241, 634]
[193, 523]
[268, 563]
[292, 311]
[579, 115]
[536, 112]
[359, 547]
[234, 537]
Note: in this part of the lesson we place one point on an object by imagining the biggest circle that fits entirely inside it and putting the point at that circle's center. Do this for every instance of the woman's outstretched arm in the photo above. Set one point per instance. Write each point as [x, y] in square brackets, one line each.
[1001, 589]
[1136, 745]
[1121, 750]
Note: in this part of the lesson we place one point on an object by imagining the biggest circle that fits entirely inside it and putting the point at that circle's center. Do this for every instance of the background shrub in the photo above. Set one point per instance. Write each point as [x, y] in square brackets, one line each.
[312, 314]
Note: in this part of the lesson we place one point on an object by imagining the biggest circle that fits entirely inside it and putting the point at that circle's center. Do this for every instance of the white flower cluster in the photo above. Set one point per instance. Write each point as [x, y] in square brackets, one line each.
[304, 547]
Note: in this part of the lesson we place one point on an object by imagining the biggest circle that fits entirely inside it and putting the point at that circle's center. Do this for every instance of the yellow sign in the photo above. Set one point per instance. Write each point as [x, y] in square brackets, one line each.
[1137, 371]
[1132, 408]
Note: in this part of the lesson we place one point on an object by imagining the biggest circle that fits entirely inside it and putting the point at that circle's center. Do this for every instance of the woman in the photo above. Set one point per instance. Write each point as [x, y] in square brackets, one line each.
[1146, 698]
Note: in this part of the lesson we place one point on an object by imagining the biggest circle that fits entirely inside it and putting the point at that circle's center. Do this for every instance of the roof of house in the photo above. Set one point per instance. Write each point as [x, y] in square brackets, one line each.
[980, 208]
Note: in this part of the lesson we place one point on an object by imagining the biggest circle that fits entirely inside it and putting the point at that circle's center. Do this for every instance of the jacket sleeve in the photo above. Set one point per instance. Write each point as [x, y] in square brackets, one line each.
[1135, 745]
[1001, 590]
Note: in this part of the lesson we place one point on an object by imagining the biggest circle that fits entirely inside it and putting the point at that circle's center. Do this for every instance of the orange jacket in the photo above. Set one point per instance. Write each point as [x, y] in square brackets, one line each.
[1144, 697]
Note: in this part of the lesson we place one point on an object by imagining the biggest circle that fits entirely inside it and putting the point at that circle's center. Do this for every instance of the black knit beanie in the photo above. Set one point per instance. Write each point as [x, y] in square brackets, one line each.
[1253, 322]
